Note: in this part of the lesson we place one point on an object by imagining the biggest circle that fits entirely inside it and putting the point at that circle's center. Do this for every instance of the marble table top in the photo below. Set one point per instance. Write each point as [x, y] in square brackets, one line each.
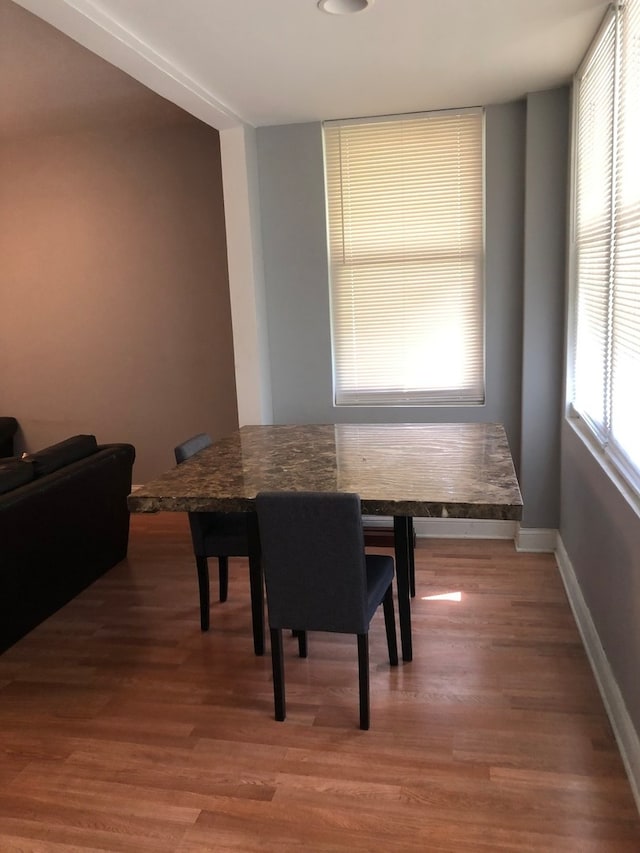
[419, 470]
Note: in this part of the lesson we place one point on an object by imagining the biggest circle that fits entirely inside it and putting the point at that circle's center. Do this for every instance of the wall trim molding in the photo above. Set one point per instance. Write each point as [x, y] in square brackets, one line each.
[95, 29]
[623, 729]
[540, 539]
[452, 528]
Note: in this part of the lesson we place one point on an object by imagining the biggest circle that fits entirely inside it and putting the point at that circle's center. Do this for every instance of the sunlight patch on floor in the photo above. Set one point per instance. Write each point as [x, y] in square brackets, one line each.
[444, 596]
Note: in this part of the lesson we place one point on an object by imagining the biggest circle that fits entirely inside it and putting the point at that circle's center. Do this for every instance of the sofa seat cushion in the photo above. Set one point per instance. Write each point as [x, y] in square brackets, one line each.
[63, 453]
[14, 473]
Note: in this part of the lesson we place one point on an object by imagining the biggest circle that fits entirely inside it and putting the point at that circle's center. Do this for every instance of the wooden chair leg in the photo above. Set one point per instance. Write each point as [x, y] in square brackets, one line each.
[203, 589]
[390, 626]
[363, 679]
[223, 577]
[277, 664]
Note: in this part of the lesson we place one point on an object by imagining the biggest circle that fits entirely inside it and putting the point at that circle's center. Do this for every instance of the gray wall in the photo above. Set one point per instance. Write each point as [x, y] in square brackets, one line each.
[294, 248]
[526, 186]
[290, 164]
[527, 154]
[600, 530]
[543, 315]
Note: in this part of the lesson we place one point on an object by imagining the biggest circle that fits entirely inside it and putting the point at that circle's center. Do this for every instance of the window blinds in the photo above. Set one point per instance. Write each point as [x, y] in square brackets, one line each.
[405, 202]
[625, 311]
[607, 239]
[593, 219]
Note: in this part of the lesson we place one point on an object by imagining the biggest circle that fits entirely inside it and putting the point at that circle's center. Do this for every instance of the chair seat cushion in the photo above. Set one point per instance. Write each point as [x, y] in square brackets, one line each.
[379, 576]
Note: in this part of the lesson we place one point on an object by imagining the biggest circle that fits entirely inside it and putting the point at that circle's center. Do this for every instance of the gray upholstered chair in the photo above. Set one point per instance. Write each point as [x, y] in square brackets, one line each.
[318, 578]
[214, 534]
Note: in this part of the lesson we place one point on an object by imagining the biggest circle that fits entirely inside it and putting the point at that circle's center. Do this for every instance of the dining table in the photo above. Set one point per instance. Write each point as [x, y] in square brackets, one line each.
[401, 471]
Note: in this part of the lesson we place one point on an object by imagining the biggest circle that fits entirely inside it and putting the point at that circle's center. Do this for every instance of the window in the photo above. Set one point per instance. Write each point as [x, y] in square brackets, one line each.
[405, 208]
[606, 240]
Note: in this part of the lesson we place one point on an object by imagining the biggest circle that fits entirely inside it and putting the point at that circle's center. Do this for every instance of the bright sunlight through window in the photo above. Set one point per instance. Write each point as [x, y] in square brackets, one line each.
[405, 208]
[606, 241]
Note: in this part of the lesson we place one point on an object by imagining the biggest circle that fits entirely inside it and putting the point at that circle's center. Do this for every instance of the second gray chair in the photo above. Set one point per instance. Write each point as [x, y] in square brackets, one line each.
[214, 534]
[318, 578]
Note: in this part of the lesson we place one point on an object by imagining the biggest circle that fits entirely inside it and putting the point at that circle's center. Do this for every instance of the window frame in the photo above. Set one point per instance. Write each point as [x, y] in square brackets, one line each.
[418, 399]
[599, 441]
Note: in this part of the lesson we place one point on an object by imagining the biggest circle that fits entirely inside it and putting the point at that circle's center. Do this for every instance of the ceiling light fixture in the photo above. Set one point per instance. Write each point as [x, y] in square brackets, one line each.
[343, 7]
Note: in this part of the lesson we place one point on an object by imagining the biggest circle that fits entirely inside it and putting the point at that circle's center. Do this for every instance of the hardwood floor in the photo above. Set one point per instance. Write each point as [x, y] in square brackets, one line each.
[123, 728]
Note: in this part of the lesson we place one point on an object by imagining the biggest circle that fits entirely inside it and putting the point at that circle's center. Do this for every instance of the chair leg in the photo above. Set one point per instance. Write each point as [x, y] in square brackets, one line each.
[363, 679]
[277, 664]
[223, 577]
[256, 583]
[203, 588]
[390, 626]
[302, 643]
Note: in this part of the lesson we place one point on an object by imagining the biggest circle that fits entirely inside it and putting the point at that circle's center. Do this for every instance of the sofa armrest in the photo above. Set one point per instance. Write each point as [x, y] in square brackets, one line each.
[59, 533]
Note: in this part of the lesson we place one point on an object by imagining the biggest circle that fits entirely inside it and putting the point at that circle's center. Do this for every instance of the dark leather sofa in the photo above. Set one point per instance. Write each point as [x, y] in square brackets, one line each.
[8, 428]
[63, 522]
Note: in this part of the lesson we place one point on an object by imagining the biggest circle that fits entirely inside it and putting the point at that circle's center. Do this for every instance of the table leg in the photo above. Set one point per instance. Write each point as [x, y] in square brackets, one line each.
[402, 525]
[412, 559]
[255, 582]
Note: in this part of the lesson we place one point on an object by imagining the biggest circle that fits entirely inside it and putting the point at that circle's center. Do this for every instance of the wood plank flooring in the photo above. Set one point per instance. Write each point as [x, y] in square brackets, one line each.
[124, 728]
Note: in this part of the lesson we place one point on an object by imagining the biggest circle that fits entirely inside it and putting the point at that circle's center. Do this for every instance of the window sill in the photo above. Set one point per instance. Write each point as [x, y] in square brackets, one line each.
[606, 463]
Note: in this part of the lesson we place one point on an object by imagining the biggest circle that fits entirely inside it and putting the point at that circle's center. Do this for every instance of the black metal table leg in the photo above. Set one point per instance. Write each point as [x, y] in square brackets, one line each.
[255, 581]
[412, 559]
[402, 525]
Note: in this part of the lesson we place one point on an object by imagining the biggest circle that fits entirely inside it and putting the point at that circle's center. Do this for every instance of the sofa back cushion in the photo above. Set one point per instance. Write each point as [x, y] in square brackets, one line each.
[14, 473]
[8, 428]
[63, 453]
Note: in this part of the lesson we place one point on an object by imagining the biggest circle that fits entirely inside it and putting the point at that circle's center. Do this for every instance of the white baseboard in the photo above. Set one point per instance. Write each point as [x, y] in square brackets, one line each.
[536, 539]
[623, 728]
[526, 539]
[452, 528]
[464, 528]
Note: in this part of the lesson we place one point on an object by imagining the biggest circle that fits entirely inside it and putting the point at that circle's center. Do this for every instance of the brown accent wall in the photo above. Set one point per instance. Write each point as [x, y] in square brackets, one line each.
[114, 299]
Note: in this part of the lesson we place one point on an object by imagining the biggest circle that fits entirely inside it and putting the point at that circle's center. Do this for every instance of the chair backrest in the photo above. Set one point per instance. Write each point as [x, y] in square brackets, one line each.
[191, 446]
[314, 560]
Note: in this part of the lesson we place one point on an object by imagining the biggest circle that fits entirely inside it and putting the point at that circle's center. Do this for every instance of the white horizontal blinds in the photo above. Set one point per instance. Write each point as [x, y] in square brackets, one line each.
[405, 212]
[593, 219]
[625, 365]
[607, 236]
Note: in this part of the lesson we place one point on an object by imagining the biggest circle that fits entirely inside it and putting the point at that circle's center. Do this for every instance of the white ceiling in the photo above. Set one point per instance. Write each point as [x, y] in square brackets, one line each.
[265, 62]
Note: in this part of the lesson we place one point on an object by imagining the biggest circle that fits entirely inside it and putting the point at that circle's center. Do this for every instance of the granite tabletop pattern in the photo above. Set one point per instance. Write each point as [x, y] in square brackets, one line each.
[419, 470]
